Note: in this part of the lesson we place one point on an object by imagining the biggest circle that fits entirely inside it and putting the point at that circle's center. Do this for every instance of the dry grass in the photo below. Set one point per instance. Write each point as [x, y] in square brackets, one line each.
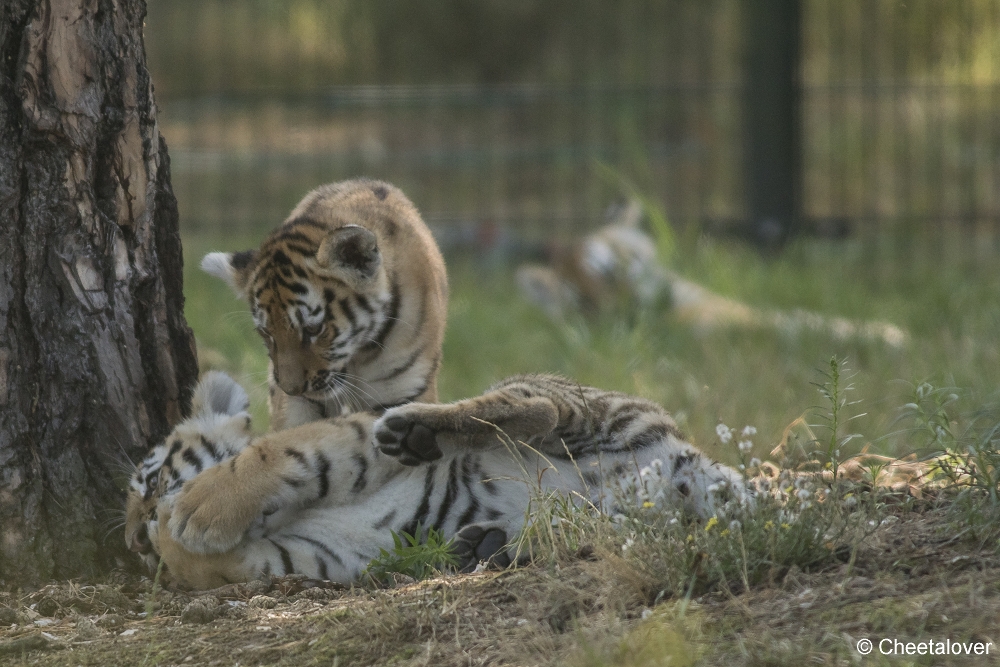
[910, 580]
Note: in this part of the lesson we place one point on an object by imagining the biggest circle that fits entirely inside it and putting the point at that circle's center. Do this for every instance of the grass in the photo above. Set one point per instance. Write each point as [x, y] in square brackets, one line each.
[589, 609]
[970, 457]
[798, 520]
[946, 301]
[222, 325]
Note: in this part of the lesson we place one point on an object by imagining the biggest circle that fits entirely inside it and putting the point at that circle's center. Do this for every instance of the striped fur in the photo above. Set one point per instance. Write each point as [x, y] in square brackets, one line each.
[322, 498]
[350, 296]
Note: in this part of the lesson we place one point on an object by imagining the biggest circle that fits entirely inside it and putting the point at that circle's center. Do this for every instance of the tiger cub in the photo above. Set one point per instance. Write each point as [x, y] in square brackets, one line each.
[350, 296]
[615, 270]
[322, 499]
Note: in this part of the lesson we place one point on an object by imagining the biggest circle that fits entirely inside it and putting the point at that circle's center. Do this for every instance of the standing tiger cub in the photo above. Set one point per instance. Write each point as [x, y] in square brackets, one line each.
[350, 296]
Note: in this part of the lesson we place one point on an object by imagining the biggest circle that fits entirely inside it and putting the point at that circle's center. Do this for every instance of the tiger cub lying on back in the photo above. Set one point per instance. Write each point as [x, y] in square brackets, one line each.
[321, 499]
[350, 296]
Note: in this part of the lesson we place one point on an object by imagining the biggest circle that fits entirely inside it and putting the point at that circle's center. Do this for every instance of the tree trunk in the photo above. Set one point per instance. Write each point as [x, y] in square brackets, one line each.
[96, 360]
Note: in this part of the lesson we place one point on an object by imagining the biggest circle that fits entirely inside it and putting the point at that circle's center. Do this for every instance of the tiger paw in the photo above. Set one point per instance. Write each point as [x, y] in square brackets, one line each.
[211, 514]
[475, 544]
[402, 435]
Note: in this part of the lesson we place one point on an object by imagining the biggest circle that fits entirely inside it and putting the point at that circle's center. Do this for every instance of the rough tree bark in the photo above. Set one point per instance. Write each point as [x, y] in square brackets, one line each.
[96, 360]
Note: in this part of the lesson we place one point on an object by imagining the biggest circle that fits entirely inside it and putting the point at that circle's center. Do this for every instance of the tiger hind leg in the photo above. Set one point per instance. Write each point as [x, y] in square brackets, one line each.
[413, 431]
[475, 544]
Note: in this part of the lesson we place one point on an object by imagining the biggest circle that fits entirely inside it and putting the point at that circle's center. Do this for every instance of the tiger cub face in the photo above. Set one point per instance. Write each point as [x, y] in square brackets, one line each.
[349, 296]
[218, 428]
[316, 296]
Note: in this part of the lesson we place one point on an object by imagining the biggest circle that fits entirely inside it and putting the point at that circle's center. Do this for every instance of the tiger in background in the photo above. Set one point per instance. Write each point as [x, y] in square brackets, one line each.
[616, 270]
[350, 296]
[219, 505]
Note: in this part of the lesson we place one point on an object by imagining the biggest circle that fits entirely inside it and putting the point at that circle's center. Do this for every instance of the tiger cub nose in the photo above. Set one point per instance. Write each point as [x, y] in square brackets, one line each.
[291, 389]
[140, 541]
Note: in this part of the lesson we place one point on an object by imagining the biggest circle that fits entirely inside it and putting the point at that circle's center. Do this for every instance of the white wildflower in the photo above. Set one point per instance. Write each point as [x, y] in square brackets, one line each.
[724, 432]
[745, 445]
[755, 462]
[749, 431]
[734, 525]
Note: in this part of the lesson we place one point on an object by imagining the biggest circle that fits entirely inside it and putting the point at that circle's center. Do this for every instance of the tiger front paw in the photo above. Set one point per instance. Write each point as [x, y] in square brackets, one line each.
[399, 433]
[211, 514]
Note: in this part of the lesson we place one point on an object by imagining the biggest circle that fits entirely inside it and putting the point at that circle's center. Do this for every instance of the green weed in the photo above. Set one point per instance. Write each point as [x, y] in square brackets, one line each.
[834, 388]
[413, 557]
[966, 451]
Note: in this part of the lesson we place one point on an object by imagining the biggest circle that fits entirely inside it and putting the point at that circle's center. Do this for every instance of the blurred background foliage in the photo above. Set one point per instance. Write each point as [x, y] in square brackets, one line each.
[297, 45]
[211, 46]
[516, 123]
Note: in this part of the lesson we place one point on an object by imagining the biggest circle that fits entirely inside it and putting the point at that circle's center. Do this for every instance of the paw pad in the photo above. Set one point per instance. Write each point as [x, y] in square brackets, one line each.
[474, 544]
[411, 442]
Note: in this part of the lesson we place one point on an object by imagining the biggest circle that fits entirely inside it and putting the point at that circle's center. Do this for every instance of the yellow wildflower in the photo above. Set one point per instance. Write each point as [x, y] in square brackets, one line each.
[646, 505]
[711, 522]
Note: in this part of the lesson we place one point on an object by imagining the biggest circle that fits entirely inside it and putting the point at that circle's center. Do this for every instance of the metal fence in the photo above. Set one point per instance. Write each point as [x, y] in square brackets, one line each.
[900, 125]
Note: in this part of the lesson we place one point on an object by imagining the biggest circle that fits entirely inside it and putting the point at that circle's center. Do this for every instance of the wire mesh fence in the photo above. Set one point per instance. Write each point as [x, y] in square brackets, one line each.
[900, 113]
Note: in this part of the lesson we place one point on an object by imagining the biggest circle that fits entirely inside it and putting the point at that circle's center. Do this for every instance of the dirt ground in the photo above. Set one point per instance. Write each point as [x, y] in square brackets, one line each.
[912, 581]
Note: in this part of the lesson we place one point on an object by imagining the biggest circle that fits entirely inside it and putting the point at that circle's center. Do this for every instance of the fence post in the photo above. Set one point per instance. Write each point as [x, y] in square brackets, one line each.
[773, 120]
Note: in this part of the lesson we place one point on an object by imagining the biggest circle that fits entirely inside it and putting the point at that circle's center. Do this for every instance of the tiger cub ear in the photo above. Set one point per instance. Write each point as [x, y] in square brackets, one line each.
[234, 268]
[351, 253]
[219, 394]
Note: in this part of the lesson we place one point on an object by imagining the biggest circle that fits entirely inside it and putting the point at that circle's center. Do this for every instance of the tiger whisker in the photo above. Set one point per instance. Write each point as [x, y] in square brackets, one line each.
[347, 382]
[128, 458]
[112, 528]
[343, 387]
[357, 378]
[402, 321]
